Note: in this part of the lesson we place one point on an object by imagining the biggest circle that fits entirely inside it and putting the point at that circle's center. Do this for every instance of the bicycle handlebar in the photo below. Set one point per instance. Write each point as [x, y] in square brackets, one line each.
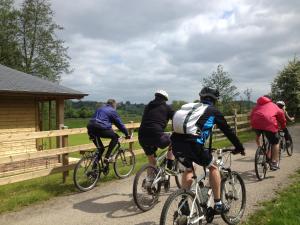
[124, 137]
[231, 150]
[223, 149]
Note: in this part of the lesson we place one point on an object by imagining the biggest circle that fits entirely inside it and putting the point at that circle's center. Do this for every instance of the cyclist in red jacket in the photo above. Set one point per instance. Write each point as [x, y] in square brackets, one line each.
[267, 117]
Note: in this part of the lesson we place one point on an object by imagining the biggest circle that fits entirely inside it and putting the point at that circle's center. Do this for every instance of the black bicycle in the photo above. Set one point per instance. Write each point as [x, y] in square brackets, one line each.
[89, 168]
[195, 206]
[146, 192]
[285, 146]
[263, 158]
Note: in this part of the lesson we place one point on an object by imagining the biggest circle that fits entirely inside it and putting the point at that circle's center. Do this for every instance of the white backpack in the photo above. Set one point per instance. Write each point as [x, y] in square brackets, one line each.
[184, 120]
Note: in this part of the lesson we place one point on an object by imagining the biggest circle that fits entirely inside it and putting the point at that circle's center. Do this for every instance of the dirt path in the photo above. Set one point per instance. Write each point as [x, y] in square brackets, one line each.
[111, 203]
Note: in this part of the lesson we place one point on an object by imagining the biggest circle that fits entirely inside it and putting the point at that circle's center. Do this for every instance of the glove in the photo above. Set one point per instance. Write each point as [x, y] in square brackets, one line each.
[128, 137]
[237, 151]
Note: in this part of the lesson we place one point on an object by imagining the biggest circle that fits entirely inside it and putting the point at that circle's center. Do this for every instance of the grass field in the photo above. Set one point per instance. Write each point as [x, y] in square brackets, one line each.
[282, 210]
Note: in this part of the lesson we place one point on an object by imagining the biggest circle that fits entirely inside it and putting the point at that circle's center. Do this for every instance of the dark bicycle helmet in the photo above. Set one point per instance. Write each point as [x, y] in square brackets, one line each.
[209, 92]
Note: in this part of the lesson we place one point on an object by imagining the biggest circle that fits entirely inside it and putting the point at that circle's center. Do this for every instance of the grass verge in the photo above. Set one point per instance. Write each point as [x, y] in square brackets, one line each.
[15, 196]
[282, 210]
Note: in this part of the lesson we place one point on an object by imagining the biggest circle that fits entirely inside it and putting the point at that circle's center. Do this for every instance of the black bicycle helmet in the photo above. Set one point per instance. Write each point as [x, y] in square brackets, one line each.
[209, 92]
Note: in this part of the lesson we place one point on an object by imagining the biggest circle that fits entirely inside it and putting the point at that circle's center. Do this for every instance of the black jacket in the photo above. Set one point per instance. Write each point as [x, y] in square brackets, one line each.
[205, 124]
[155, 118]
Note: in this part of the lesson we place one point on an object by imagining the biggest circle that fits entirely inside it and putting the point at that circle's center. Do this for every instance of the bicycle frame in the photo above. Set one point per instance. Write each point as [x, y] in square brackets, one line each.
[161, 170]
[224, 171]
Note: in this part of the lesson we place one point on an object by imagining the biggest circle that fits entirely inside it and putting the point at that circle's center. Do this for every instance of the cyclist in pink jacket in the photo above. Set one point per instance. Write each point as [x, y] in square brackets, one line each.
[267, 117]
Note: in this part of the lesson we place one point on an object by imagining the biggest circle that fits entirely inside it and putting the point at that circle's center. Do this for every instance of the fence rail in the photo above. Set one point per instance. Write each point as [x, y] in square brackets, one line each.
[67, 163]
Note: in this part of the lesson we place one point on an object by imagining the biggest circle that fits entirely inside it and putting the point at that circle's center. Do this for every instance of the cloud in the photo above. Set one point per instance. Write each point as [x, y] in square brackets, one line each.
[128, 49]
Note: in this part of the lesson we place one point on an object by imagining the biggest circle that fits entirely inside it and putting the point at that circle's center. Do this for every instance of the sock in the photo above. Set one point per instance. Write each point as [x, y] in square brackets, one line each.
[170, 163]
[217, 201]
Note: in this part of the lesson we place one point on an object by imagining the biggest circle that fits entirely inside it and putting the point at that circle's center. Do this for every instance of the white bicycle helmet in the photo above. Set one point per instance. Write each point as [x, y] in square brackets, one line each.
[280, 103]
[162, 93]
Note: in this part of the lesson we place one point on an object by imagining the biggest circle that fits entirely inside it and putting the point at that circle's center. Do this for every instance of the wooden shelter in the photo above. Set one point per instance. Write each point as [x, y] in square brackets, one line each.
[23, 98]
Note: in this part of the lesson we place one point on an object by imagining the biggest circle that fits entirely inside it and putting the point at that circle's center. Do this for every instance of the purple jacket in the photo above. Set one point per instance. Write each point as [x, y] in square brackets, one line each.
[105, 116]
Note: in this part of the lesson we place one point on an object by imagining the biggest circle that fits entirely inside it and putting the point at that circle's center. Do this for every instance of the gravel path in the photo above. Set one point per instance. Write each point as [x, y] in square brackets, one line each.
[111, 203]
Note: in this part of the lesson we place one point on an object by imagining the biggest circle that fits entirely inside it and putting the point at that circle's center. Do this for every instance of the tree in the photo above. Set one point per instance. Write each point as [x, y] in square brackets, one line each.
[286, 86]
[247, 94]
[221, 80]
[176, 104]
[43, 53]
[10, 54]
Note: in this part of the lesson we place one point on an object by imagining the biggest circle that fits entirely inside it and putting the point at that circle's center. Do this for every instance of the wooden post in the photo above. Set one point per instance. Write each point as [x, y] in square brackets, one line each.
[235, 122]
[65, 157]
[37, 123]
[49, 123]
[60, 125]
[131, 131]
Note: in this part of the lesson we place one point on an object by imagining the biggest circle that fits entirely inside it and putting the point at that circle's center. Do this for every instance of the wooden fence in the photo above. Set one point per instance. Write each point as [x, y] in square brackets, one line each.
[240, 122]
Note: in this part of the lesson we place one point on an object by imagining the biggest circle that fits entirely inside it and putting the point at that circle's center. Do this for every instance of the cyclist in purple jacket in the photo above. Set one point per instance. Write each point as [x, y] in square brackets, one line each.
[100, 126]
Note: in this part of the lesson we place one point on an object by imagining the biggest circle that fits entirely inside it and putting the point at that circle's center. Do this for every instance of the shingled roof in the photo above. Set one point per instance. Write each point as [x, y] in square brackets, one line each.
[16, 82]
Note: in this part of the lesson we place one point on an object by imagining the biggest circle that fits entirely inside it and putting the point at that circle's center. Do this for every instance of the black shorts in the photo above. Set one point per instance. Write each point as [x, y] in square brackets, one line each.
[188, 152]
[151, 144]
[272, 137]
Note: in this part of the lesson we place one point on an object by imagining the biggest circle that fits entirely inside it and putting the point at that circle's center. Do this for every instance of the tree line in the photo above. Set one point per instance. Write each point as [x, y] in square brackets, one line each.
[219, 79]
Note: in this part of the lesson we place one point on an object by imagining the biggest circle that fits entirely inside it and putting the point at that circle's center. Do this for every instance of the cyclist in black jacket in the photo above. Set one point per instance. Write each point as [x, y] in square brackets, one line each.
[189, 148]
[154, 121]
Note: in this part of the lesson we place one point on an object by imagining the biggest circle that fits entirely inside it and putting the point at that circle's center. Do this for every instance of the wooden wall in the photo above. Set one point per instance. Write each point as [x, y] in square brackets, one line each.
[17, 114]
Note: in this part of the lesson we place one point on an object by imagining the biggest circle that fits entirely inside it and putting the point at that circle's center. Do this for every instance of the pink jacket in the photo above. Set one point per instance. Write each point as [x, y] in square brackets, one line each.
[267, 116]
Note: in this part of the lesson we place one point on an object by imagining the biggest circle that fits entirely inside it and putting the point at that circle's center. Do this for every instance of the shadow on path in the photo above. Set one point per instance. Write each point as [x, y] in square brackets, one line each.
[109, 205]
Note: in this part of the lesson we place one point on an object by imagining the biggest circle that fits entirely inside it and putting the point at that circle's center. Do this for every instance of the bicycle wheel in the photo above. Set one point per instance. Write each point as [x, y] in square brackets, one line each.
[233, 194]
[179, 170]
[289, 147]
[124, 163]
[145, 190]
[177, 209]
[260, 164]
[86, 173]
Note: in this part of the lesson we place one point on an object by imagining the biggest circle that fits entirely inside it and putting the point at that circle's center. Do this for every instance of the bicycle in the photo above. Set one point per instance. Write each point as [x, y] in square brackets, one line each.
[284, 145]
[146, 194]
[89, 168]
[263, 158]
[195, 206]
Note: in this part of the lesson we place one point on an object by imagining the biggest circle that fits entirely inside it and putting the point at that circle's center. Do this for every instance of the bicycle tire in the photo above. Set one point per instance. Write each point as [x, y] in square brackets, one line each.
[260, 164]
[178, 216]
[85, 177]
[152, 193]
[228, 197]
[124, 163]
[290, 148]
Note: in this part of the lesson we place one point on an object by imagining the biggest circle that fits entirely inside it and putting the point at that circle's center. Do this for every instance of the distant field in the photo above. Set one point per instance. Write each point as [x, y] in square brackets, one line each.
[82, 122]
[76, 122]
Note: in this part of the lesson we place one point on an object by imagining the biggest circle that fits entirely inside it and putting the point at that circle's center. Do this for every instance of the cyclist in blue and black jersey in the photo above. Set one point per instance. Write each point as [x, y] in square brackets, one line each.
[188, 140]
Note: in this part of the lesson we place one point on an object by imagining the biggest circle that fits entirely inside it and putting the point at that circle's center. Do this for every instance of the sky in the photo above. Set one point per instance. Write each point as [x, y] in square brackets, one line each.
[127, 49]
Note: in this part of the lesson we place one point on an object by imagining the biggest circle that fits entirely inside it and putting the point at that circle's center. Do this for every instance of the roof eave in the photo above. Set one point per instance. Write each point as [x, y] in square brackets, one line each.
[44, 94]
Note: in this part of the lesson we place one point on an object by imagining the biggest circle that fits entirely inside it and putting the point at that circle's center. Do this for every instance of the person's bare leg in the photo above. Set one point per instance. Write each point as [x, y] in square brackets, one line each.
[170, 154]
[187, 179]
[152, 160]
[275, 153]
[215, 181]
[257, 140]
[170, 158]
